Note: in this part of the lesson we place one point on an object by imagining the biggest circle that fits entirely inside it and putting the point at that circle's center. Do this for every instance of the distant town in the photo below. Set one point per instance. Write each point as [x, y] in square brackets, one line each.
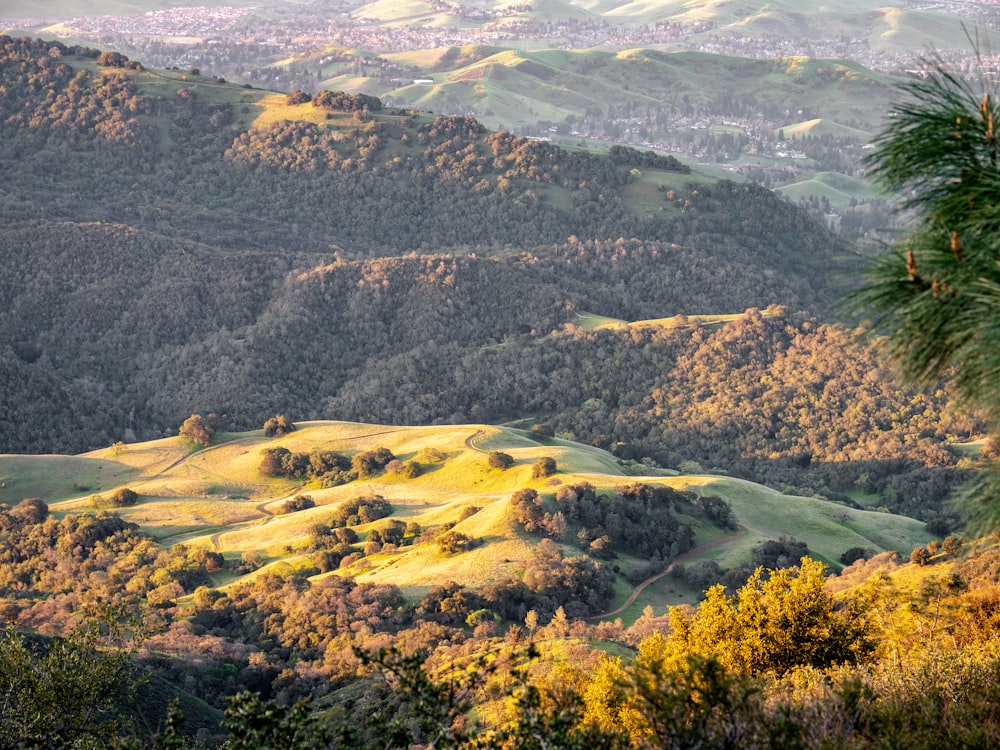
[220, 39]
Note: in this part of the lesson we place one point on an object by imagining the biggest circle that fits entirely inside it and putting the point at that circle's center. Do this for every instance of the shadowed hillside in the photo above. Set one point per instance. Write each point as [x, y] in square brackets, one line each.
[176, 244]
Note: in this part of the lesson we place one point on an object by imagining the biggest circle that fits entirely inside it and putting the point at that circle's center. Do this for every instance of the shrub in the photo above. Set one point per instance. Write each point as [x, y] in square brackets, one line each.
[196, 429]
[468, 511]
[31, 510]
[430, 455]
[112, 59]
[499, 460]
[952, 544]
[349, 560]
[542, 432]
[250, 561]
[783, 553]
[123, 497]
[701, 574]
[273, 462]
[212, 562]
[369, 463]
[543, 467]
[454, 542]
[361, 510]
[528, 511]
[278, 425]
[854, 554]
[297, 503]
[391, 533]
[345, 535]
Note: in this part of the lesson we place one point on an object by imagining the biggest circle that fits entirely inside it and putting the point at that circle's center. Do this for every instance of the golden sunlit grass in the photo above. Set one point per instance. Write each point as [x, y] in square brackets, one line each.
[277, 109]
[592, 322]
[217, 498]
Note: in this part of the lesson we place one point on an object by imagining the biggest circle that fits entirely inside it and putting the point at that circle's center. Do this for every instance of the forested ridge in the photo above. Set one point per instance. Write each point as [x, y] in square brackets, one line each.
[172, 246]
[164, 255]
[151, 148]
[140, 330]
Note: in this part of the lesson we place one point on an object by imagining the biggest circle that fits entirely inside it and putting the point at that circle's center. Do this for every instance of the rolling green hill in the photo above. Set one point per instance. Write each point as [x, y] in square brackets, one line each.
[838, 189]
[217, 498]
[522, 88]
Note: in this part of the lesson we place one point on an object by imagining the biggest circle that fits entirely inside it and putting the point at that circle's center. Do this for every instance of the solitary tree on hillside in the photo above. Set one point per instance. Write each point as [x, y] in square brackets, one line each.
[197, 430]
[936, 296]
[112, 59]
[278, 425]
[542, 432]
[123, 497]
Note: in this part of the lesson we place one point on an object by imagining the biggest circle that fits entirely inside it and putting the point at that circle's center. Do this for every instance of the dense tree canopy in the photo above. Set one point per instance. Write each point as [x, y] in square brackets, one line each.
[773, 625]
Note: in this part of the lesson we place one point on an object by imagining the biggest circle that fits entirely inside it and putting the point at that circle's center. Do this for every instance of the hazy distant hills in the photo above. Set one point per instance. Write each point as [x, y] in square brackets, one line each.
[522, 88]
[590, 74]
[894, 25]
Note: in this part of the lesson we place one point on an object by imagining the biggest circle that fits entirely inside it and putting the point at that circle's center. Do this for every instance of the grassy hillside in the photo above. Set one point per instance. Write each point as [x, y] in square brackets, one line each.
[838, 189]
[550, 84]
[592, 322]
[218, 499]
[817, 128]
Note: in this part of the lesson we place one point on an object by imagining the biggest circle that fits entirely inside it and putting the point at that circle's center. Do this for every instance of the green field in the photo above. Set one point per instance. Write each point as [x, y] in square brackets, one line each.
[839, 189]
[217, 498]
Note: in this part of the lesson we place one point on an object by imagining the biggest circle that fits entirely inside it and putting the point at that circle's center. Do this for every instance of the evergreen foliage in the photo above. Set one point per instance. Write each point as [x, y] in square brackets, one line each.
[937, 296]
[61, 692]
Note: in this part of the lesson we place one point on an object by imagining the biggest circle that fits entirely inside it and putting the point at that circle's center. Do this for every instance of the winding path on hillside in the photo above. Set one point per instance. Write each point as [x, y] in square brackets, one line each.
[666, 571]
[203, 451]
[470, 442]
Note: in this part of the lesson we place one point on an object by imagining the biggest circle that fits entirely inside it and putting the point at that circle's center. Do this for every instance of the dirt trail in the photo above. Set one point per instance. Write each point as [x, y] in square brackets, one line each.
[652, 579]
[203, 451]
[470, 441]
